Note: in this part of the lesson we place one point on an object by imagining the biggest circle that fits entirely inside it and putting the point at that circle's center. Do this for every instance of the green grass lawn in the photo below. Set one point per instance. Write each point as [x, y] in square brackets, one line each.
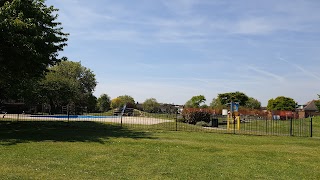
[88, 150]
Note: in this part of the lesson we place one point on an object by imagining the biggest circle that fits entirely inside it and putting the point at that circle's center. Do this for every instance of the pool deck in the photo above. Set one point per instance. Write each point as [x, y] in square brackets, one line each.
[113, 119]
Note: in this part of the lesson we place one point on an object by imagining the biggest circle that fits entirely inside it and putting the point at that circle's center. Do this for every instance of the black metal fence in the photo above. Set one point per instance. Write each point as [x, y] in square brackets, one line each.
[308, 127]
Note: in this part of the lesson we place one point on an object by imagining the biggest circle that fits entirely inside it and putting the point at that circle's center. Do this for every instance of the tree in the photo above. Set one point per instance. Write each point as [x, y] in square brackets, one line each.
[233, 96]
[68, 83]
[216, 104]
[253, 103]
[151, 105]
[318, 102]
[92, 103]
[195, 101]
[115, 103]
[104, 103]
[281, 103]
[120, 101]
[30, 40]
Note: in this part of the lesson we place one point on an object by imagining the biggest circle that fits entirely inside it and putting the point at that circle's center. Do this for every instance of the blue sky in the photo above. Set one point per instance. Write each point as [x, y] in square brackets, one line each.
[172, 50]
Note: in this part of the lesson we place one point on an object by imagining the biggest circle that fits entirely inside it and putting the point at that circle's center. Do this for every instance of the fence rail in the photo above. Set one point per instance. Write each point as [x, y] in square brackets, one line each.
[308, 127]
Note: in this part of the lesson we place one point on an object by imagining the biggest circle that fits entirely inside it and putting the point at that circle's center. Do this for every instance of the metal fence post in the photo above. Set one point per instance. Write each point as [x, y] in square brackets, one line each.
[121, 120]
[177, 121]
[291, 134]
[234, 125]
[68, 113]
[266, 127]
[311, 127]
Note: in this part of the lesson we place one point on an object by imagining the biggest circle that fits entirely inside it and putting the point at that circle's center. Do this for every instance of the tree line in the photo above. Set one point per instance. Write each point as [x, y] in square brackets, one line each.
[222, 101]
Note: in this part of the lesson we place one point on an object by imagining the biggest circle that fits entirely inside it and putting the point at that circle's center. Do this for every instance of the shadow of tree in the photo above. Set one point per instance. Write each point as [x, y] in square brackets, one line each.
[12, 133]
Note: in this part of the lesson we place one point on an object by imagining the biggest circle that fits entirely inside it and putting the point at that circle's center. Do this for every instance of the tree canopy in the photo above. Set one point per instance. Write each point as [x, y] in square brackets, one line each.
[216, 104]
[253, 103]
[68, 83]
[104, 103]
[195, 101]
[151, 105]
[237, 96]
[120, 101]
[281, 103]
[223, 99]
[30, 39]
[318, 102]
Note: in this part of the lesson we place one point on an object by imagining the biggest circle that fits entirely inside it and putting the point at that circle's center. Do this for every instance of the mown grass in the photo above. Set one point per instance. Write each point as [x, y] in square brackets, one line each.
[316, 126]
[88, 150]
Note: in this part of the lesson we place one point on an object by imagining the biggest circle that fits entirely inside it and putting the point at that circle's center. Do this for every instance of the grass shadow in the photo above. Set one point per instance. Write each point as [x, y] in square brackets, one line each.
[12, 133]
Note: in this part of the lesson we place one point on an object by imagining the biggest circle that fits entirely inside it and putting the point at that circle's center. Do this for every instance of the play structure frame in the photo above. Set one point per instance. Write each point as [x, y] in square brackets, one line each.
[233, 117]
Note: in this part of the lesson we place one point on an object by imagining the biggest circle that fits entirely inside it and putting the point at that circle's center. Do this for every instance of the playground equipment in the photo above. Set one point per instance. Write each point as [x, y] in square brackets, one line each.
[233, 117]
[235, 120]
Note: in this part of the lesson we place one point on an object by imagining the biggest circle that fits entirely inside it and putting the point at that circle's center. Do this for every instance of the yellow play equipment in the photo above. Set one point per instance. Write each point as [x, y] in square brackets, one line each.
[233, 120]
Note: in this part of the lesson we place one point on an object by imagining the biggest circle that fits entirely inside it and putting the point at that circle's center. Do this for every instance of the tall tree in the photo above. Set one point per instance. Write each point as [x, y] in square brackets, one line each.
[233, 96]
[123, 100]
[253, 103]
[151, 105]
[68, 83]
[281, 103]
[30, 39]
[195, 101]
[216, 104]
[318, 102]
[104, 103]
[91, 103]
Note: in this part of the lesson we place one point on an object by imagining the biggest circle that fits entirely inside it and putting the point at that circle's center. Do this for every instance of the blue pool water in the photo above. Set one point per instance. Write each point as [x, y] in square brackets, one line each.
[70, 116]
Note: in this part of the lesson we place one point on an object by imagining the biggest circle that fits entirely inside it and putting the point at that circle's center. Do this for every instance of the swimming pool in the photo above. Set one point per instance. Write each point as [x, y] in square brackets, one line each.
[70, 116]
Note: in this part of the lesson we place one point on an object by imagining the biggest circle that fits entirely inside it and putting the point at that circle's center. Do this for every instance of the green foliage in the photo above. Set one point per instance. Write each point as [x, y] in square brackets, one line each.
[151, 105]
[115, 103]
[104, 103]
[233, 96]
[253, 103]
[281, 103]
[91, 103]
[195, 101]
[192, 115]
[30, 40]
[120, 101]
[216, 104]
[318, 103]
[68, 83]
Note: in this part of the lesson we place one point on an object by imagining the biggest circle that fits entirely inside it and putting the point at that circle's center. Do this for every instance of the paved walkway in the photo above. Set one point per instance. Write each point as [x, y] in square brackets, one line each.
[112, 119]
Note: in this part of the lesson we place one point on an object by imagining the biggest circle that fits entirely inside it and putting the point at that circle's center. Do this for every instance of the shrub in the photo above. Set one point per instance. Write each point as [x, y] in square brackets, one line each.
[192, 116]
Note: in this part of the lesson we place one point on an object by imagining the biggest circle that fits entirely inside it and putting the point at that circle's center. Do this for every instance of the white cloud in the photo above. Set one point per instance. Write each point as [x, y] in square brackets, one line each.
[254, 26]
[267, 73]
[75, 15]
[109, 35]
[216, 39]
[302, 69]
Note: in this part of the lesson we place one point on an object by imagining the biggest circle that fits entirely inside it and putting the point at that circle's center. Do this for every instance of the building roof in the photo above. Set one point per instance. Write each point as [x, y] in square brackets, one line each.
[311, 106]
